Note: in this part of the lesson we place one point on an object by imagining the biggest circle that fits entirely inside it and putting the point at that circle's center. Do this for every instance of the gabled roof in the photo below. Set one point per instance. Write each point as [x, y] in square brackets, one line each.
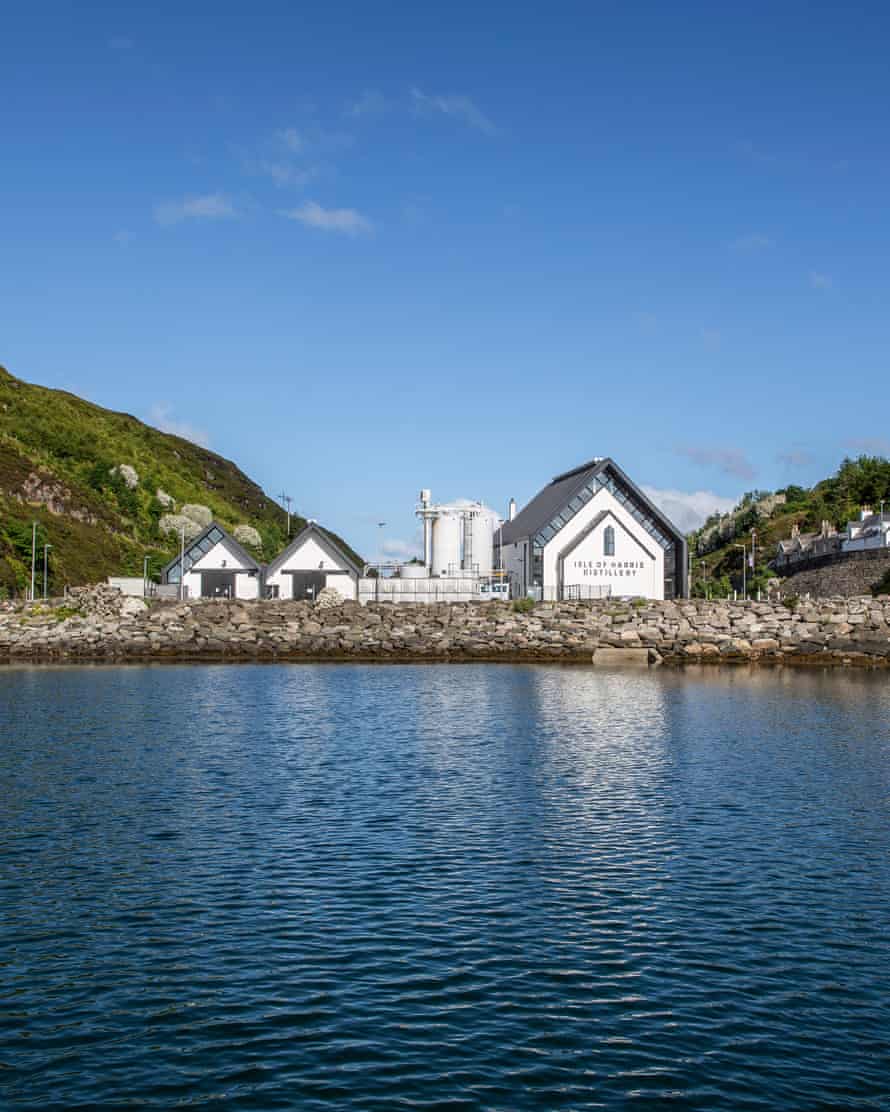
[202, 544]
[559, 492]
[313, 529]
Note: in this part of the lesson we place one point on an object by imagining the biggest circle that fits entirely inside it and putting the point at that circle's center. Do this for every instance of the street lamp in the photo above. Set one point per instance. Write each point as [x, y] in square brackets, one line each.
[381, 525]
[33, 555]
[145, 560]
[744, 549]
[182, 565]
[46, 549]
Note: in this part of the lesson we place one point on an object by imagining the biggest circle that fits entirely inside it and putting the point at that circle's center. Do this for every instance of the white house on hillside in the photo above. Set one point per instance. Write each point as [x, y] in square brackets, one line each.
[870, 531]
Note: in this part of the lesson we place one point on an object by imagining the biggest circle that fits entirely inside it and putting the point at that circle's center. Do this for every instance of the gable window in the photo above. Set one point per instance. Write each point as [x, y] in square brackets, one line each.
[608, 541]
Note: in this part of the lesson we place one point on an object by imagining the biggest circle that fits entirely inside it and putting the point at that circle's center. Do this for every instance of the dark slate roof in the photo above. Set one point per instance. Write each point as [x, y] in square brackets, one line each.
[547, 503]
[202, 544]
[327, 538]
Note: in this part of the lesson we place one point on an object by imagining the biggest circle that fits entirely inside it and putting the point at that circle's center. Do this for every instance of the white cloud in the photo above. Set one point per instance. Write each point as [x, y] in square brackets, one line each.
[123, 238]
[289, 137]
[346, 220]
[162, 418]
[212, 206]
[756, 241]
[370, 103]
[730, 461]
[120, 42]
[459, 107]
[283, 174]
[820, 281]
[400, 549]
[689, 509]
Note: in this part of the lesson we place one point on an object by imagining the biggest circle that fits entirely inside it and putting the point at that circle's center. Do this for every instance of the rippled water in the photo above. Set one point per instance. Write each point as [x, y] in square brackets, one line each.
[471, 887]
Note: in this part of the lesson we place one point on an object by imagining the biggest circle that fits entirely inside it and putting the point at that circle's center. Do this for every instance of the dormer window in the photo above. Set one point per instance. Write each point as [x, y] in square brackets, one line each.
[608, 541]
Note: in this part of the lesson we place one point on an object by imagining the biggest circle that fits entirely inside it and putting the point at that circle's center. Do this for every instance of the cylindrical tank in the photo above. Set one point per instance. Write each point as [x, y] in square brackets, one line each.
[413, 571]
[481, 526]
[446, 543]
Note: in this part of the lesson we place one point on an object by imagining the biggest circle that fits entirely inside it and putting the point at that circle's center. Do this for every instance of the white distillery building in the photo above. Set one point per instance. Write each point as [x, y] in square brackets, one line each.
[312, 561]
[214, 565]
[589, 533]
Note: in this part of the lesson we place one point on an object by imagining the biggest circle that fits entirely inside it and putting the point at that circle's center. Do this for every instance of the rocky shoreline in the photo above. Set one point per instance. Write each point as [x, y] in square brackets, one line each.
[100, 624]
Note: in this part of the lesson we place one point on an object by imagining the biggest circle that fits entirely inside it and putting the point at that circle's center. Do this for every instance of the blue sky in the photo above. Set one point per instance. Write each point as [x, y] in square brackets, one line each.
[361, 249]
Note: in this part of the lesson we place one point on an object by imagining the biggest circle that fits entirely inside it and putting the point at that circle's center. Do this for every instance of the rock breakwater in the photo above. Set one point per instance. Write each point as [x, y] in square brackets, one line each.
[101, 624]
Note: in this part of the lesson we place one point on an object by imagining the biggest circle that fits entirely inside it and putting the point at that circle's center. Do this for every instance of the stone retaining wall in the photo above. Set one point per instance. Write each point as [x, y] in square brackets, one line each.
[101, 624]
[845, 574]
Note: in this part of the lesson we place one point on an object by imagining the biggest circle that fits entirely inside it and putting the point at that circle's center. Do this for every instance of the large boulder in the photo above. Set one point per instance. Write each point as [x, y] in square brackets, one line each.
[246, 534]
[164, 498]
[177, 523]
[129, 474]
[202, 515]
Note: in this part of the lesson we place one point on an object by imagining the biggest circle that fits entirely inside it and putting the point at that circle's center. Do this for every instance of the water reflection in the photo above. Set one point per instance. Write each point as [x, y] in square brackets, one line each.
[484, 886]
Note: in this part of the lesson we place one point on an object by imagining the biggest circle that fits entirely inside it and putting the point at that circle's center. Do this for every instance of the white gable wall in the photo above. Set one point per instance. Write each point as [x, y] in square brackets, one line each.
[223, 557]
[586, 565]
[314, 555]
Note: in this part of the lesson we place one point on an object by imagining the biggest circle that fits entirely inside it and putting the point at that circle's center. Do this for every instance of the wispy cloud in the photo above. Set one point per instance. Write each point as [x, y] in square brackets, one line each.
[755, 241]
[795, 457]
[370, 103]
[290, 139]
[281, 173]
[730, 461]
[161, 417]
[210, 206]
[820, 281]
[400, 549]
[120, 42]
[123, 238]
[458, 107]
[689, 509]
[344, 220]
[869, 445]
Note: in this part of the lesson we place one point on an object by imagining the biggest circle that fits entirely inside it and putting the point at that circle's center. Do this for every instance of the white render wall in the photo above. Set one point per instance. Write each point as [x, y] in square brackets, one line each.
[313, 556]
[223, 558]
[637, 568]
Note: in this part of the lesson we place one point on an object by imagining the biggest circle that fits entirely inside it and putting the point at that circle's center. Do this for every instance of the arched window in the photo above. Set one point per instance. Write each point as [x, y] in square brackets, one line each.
[609, 541]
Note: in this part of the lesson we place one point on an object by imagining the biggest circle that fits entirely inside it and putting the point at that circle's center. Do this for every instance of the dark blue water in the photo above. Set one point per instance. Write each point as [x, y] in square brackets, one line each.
[477, 887]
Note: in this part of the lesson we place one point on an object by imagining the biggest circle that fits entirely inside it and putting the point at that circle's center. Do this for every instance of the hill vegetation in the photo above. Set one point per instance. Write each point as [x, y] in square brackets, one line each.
[65, 464]
[717, 571]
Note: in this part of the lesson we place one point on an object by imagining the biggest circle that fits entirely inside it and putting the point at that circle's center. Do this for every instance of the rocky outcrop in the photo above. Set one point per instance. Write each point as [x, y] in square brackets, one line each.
[202, 515]
[179, 523]
[97, 624]
[246, 534]
[128, 474]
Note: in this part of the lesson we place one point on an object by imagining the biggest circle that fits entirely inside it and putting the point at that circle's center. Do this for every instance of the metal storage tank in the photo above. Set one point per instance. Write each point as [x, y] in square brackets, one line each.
[446, 543]
[413, 571]
[481, 526]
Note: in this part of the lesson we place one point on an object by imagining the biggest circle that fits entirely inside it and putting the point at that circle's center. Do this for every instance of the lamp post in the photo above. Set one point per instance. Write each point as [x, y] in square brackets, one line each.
[33, 555]
[381, 525]
[182, 564]
[744, 549]
[46, 549]
[145, 560]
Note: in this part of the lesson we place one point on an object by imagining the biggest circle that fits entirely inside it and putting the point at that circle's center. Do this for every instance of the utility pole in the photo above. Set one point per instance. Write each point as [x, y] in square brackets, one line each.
[285, 499]
[33, 555]
[46, 549]
[182, 564]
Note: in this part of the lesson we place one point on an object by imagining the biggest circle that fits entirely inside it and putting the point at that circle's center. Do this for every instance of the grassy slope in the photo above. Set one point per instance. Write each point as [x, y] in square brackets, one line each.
[55, 446]
[838, 499]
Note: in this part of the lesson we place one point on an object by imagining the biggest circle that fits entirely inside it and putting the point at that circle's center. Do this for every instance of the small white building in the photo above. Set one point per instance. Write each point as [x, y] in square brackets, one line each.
[870, 531]
[216, 566]
[312, 561]
[591, 532]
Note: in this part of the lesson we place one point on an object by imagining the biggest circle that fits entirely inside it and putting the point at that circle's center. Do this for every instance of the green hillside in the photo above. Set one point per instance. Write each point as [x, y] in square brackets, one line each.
[58, 455]
[717, 568]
